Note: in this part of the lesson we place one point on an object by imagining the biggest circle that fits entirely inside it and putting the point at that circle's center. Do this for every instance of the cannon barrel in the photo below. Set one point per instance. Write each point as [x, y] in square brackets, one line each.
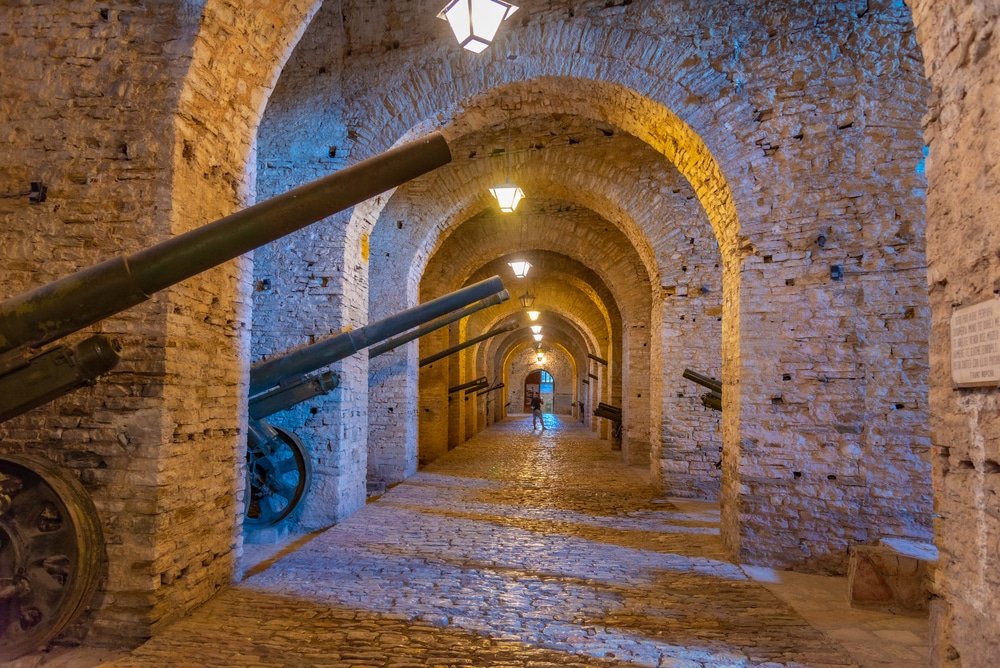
[27, 382]
[494, 388]
[703, 380]
[472, 383]
[396, 342]
[465, 344]
[613, 413]
[269, 373]
[712, 400]
[81, 299]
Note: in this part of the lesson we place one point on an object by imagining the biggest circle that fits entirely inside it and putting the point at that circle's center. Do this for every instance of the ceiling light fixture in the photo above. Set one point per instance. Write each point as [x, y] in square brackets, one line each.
[536, 329]
[520, 268]
[538, 337]
[527, 300]
[507, 194]
[533, 315]
[475, 22]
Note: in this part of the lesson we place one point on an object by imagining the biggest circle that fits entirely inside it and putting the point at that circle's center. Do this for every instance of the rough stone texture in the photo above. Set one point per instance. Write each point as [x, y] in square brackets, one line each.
[795, 124]
[803, 120]
[960, 43]
[512, 550]
[314, 283]
[118, 110]
[882, 578]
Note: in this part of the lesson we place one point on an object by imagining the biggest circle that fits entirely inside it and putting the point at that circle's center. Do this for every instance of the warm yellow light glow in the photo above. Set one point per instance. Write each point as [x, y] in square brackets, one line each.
[536, 329]
[533, 315]
[538, 337]
[508, 196]
[475, 22]
[520, 268]
[540, 358]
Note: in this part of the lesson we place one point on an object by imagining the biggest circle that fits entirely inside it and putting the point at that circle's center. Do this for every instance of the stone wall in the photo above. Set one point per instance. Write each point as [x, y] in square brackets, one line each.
[315, 283]
[139, 135]
[960, 43]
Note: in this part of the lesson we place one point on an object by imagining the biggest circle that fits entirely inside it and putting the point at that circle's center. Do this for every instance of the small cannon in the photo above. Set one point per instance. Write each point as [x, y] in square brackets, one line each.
[278, 468]
[711, 399]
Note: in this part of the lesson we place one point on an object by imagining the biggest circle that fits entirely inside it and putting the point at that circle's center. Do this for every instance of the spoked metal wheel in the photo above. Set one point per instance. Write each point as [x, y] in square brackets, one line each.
[50, 553]
[278, 475]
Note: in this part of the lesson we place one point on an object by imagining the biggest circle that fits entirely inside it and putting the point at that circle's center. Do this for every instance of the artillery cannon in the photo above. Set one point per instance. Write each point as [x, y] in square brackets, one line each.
[48, 526]
[471, 342]
[478, 384]
[614, 414]
[278, 469]
[711, 399]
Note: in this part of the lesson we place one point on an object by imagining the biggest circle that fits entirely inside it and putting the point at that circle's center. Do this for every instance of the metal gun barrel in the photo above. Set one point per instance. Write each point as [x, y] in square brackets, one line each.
[81, 299]
[703, 380]
[471, 342]
[269, 373]
[472, 383]
[396, 342]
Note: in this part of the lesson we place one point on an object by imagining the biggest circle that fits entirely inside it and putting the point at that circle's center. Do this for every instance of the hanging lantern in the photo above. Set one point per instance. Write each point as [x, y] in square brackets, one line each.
[533, 315]
[520, 268]
[508, 195]
[475, 22]
[536, 329]
[538, 337]
[527, 300]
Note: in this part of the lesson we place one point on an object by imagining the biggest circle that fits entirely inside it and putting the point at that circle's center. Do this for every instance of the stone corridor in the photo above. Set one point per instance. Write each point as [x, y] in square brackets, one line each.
[524, 548]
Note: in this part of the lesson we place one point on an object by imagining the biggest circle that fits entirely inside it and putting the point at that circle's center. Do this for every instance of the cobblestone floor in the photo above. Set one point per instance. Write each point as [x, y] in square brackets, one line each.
[518, 549]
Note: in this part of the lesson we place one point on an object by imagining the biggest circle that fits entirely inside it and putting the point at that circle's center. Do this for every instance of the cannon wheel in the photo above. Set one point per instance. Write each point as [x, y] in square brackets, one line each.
[50, 553]
[277, 479]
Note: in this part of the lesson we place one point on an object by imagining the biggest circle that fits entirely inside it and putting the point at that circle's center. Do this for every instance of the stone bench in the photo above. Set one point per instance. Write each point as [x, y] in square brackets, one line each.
[893, 576]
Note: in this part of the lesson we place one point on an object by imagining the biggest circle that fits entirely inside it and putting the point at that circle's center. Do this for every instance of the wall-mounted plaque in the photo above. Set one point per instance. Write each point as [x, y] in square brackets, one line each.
[975, 345]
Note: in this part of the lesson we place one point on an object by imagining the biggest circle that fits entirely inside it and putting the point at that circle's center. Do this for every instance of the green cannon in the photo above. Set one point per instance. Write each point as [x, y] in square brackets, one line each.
[278, 469]
[50, 537]
[614, 415]
[711, 399]
[447, 352]
[52, 311]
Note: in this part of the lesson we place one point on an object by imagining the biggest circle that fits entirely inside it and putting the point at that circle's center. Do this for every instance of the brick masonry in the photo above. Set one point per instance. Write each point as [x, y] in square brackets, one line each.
[796, 138]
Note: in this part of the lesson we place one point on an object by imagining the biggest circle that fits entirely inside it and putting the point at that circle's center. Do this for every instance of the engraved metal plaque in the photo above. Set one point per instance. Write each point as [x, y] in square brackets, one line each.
[975, 345]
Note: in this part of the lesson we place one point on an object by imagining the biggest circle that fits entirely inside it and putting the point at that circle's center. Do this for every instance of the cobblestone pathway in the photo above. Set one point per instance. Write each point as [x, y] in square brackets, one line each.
[517, 549]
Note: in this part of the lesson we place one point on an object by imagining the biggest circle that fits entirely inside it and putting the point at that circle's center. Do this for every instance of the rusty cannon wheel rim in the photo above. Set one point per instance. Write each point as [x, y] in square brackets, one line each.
[276, 481]
[50, 553]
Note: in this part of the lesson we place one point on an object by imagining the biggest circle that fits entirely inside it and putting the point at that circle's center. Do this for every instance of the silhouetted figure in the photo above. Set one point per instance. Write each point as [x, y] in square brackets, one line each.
[536, 412]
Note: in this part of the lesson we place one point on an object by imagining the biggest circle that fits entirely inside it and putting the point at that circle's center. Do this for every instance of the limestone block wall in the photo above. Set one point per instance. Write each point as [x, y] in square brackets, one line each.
[120, 111]
[832, 312]
[960, 41]
[315, 283]
[76, 116]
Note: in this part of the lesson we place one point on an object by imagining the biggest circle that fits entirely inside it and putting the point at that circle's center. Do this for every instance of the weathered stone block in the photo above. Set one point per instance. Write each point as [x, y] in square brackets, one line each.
[892, 576]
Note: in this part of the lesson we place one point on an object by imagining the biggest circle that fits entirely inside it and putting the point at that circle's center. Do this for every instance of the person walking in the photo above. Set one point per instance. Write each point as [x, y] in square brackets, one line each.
[536, 412]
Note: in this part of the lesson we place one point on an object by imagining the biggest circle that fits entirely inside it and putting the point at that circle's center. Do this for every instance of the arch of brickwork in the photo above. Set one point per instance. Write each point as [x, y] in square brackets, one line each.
[778, 135]
[759, 120]
[163, 144]
[522, 362]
